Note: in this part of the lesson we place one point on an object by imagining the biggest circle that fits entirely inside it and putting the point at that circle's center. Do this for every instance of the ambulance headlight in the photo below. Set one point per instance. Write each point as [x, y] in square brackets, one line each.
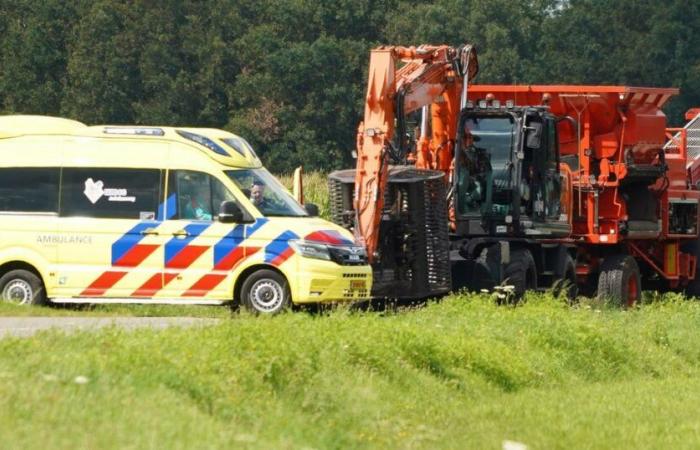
[314, 250]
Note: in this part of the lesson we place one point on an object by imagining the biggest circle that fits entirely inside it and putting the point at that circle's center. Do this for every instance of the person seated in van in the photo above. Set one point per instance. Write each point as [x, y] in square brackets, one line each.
[257, 195]
[199, 205]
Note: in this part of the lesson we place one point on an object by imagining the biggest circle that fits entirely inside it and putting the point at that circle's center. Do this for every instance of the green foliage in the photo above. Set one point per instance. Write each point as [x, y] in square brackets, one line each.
[315, 190]
[463, 373]
[506, 33]
[305, 94]
[289, 75]
[625, 42]
[34, 54]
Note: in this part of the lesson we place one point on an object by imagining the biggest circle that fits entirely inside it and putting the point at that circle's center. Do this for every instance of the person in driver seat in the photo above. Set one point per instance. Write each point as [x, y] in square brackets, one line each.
[257, 195]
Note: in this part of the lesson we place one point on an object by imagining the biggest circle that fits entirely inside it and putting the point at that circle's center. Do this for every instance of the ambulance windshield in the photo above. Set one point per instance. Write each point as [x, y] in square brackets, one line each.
[266, 193]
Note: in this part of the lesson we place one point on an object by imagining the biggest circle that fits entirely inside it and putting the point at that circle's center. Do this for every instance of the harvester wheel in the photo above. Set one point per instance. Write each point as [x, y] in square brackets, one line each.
[619, 280]
[521, 272]
[566, 281]
[693, 287]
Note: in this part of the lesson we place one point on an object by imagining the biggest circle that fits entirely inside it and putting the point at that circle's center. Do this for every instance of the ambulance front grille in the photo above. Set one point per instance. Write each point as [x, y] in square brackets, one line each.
[355, 293]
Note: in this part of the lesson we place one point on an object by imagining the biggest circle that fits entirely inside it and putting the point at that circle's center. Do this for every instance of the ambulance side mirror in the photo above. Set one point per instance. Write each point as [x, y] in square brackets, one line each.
[230, 212]
[311, 209]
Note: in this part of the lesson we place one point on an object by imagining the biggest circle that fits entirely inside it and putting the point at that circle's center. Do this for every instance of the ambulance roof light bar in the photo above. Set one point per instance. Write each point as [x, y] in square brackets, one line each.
[134, 131]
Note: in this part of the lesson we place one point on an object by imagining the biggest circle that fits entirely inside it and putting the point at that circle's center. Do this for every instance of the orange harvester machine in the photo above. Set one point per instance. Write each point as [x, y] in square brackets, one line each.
[632, 189]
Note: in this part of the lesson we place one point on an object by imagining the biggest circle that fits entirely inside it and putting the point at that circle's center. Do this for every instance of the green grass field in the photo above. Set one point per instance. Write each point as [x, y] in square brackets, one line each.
[462, 373]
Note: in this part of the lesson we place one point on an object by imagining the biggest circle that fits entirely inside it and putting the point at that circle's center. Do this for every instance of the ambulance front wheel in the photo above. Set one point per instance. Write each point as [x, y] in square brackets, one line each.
[265, 292]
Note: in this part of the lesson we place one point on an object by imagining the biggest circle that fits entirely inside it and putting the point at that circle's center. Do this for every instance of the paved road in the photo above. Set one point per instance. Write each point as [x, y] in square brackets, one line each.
[27, 326]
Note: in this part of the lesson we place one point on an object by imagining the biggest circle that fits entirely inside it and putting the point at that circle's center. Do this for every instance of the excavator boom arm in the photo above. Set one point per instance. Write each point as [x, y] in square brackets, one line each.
[428, 74]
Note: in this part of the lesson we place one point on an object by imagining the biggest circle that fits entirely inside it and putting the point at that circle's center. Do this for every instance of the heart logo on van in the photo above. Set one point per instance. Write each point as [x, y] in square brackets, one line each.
[93, 190]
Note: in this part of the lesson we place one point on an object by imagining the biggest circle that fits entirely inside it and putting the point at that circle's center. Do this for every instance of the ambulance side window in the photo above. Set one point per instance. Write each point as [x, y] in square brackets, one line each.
[220, 193]
[111, 193]
[29, 189]
[195, 195]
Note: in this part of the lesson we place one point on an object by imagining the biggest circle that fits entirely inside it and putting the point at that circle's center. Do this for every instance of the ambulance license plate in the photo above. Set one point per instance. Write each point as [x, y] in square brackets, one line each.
[357, 284]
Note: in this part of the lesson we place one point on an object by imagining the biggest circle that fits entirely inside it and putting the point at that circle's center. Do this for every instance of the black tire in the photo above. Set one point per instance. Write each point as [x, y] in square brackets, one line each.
[693, 287]
[265, 292]
[619, 281]
[565, 282]
[22, 287]
[521, 272]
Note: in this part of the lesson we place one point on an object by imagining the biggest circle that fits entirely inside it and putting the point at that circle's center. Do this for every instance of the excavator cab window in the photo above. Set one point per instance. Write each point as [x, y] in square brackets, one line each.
[484, 164]
[534, 135]
[541, 181]
[551, 171]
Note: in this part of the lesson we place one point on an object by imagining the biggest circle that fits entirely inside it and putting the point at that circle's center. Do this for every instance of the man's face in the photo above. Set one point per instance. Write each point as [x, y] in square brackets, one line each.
[468, 138]
[256, 193]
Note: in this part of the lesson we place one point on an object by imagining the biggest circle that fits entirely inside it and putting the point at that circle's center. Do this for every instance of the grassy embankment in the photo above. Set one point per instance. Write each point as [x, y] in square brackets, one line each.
[463, 373]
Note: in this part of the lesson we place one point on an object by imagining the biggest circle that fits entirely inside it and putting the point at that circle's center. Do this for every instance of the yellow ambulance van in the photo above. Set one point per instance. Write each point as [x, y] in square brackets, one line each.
[133, 214]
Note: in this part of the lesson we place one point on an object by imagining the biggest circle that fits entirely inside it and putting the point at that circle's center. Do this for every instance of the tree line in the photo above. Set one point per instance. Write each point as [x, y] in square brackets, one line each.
[289, 75]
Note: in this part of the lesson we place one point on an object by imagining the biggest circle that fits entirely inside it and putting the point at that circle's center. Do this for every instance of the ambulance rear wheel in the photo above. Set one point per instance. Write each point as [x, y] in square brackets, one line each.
[265, 292]
[22, 287]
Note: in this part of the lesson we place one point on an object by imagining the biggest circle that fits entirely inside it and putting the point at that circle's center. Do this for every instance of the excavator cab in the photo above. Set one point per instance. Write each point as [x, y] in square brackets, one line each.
[507, 178]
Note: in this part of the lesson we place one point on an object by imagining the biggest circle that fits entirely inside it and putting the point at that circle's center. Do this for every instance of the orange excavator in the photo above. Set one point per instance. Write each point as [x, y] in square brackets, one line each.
[395, 200]
[534, 186]
[437, 75]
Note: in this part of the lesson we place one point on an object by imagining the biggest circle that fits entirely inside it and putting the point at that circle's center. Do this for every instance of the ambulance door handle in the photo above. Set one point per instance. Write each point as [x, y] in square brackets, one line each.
[149, 232]
[181, 234]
